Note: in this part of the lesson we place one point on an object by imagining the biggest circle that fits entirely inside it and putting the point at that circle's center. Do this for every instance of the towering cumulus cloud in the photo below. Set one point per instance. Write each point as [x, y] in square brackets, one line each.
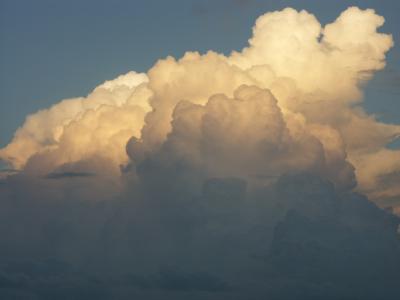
[213, 176]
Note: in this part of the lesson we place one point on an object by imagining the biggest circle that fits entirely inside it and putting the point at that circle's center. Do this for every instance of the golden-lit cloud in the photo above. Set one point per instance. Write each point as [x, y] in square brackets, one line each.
[213, 177]
[289, 102]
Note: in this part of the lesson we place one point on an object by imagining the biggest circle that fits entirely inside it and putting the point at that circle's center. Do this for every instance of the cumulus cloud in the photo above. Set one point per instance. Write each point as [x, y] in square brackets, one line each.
[79, 128]
[245, 136]
[235, 170]
[314, 73]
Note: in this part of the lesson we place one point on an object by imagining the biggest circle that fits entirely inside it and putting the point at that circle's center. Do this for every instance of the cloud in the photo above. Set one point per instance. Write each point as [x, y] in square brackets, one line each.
[305, 243]
[82, 127]
[316, 82]
[240, 137]
[171, 279]
[59, 175]
[244, 173]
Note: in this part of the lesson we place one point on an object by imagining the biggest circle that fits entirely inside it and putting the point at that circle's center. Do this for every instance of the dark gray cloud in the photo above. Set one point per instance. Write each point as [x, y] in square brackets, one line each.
[171, 278]
[299, 238]
[62, 175]
[339, 247]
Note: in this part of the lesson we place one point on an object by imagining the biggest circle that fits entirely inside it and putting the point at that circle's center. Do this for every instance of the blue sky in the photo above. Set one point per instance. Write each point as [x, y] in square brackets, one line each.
[52, 50]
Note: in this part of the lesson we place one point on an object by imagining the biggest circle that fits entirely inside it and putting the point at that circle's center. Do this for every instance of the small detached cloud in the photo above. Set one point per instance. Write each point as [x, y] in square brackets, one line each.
[63, 175]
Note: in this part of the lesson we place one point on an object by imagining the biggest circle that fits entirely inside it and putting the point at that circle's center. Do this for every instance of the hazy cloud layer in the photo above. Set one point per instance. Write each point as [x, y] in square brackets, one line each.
[213, 176]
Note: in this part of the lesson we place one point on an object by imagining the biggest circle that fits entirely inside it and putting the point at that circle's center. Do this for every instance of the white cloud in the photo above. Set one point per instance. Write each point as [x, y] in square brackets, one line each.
[314, 73]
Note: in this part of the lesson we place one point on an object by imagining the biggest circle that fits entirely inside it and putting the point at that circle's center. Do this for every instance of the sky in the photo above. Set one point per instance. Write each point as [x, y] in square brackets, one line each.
[199, 150]
[52, 50]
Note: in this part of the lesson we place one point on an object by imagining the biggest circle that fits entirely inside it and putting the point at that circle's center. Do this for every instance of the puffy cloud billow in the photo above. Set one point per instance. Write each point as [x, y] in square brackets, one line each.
[213, 177]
